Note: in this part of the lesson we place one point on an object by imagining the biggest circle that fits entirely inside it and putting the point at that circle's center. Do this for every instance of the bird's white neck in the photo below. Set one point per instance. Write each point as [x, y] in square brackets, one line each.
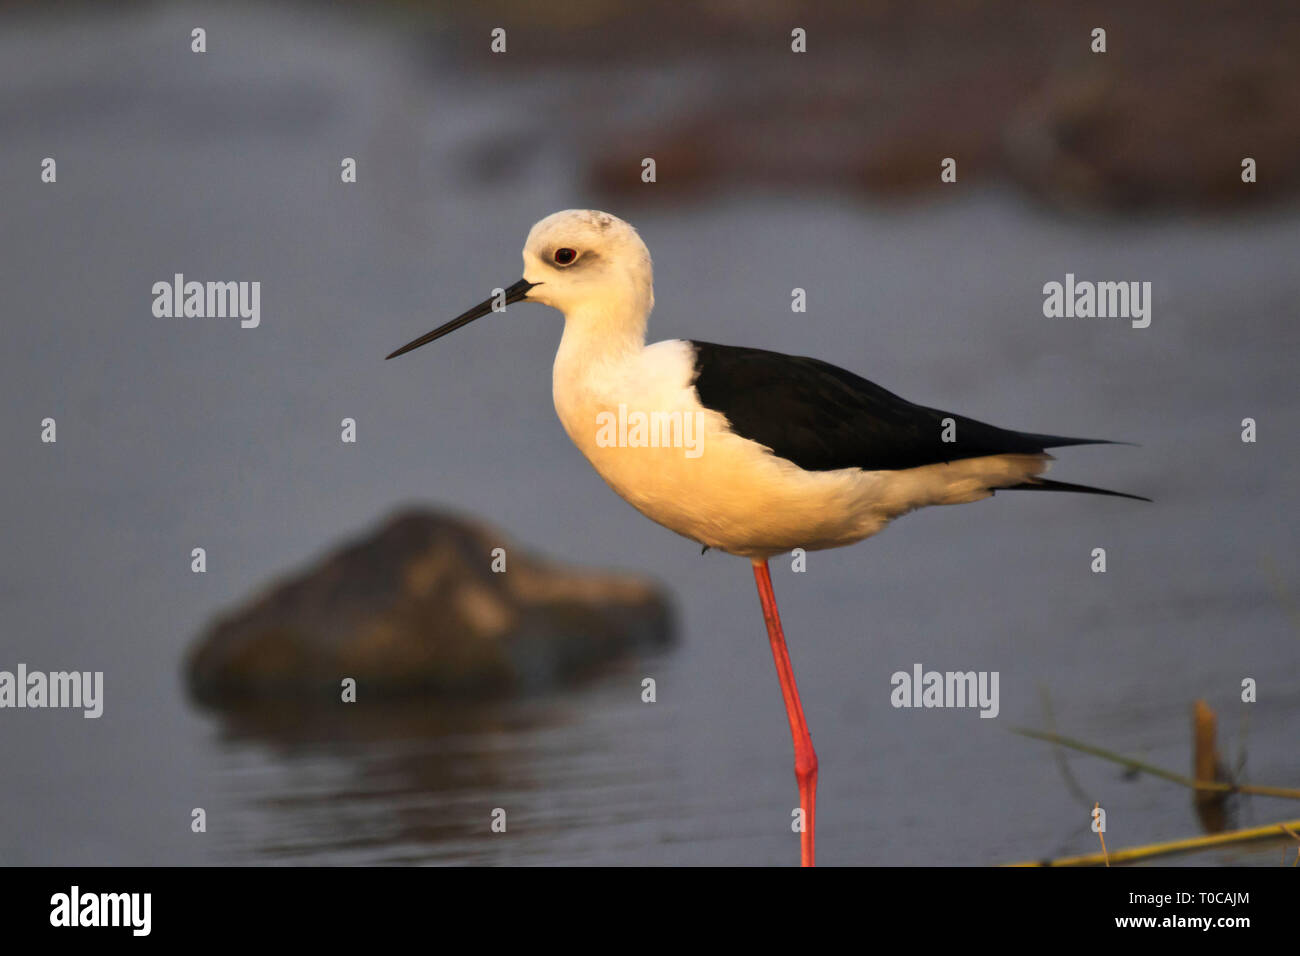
[598, 352]
[601, 334]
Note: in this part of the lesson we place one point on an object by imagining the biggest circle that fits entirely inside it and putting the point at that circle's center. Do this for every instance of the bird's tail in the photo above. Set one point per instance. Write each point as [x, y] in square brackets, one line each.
[1046, 484]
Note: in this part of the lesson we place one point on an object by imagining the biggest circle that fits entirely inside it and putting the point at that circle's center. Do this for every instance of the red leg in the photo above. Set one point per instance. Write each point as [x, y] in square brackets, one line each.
[805, 759]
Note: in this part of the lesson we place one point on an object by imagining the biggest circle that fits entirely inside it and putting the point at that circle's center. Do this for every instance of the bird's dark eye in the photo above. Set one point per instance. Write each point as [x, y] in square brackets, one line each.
[565, 256]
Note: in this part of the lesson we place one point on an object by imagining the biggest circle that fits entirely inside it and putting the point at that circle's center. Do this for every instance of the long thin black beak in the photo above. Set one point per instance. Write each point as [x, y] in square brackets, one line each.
[516, 293]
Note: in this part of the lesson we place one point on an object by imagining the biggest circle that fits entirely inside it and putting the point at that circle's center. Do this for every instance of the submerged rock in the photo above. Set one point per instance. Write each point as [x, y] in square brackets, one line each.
[416, 608]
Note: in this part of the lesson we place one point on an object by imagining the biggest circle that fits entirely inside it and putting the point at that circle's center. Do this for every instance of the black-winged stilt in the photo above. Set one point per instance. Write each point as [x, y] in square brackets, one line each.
[750, 452]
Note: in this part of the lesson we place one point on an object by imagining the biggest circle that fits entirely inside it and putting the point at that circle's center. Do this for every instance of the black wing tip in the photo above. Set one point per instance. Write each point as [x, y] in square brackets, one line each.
[1047, 484]
[1060, 441]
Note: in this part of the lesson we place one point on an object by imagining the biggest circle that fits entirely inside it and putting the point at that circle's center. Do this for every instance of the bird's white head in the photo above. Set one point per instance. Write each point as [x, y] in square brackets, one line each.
[582, 258]
[590, 265]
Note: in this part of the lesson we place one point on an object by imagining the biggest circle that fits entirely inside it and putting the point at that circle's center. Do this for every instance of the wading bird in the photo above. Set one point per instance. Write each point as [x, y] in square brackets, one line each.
[788, 452]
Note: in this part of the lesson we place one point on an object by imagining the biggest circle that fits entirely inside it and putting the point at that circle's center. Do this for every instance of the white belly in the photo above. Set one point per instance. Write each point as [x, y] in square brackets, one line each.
[680, 465]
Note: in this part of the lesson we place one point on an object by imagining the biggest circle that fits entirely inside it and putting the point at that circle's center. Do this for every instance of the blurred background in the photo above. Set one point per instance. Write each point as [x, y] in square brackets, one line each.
[775, 170]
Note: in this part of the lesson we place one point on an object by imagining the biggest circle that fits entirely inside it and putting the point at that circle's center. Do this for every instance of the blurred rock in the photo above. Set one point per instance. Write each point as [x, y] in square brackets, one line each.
[415, 608]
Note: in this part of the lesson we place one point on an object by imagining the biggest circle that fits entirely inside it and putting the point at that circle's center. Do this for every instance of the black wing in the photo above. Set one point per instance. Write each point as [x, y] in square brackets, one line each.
[821, 417]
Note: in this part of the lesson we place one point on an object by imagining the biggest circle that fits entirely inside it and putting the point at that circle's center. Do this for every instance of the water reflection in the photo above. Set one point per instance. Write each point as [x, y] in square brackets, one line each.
[419, 781]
